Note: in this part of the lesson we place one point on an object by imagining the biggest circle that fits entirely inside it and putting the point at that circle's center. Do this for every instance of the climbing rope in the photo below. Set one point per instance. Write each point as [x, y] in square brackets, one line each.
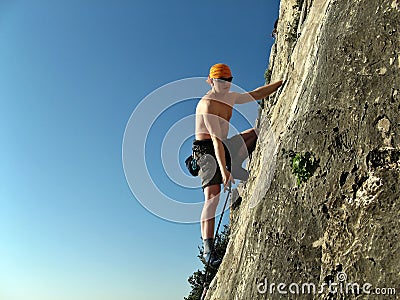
[205, 285]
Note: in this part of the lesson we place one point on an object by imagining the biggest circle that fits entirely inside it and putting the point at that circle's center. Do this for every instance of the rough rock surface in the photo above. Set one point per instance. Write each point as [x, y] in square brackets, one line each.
[340, 101]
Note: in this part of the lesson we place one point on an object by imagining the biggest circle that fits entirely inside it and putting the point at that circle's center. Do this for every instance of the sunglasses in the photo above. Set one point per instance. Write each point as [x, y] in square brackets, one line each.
[228, 79]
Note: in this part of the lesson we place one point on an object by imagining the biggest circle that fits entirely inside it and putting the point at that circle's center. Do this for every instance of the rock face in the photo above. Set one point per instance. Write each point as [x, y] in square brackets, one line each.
[340, 101]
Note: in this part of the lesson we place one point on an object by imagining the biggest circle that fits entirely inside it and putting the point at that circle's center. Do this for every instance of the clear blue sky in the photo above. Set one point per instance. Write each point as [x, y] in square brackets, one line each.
[71, 74]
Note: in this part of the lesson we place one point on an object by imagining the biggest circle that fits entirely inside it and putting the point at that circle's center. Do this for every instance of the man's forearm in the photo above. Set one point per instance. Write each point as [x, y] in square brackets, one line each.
[219, 153]
[266, 90]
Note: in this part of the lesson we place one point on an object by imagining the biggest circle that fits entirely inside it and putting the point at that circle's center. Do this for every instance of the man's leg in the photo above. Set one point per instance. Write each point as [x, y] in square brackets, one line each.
[246, 148]
[250, 137]
[211, 194]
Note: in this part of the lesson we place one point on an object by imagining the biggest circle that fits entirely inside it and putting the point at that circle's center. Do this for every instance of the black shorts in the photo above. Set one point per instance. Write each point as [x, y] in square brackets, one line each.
[204, 153]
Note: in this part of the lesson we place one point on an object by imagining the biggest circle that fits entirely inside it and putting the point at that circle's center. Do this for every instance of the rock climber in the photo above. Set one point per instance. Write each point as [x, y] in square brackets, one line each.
[218, 157]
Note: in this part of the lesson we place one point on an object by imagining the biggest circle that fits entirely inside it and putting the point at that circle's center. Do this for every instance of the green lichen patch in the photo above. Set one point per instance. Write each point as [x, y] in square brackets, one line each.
[303, 165]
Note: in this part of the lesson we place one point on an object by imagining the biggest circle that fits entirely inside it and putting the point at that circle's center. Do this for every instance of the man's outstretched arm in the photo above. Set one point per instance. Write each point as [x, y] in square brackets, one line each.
[258, 93]
[266, 90]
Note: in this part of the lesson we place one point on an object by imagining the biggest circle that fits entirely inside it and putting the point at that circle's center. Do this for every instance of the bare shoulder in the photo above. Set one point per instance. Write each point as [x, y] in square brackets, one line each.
[241, 98]
[234, 96]
[205, 105]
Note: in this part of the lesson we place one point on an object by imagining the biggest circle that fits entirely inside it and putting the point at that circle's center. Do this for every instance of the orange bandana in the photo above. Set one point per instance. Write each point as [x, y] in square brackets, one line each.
[220, 71]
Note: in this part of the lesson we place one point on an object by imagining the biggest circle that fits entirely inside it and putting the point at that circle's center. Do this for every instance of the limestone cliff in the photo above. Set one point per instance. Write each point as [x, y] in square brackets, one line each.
[340, 101]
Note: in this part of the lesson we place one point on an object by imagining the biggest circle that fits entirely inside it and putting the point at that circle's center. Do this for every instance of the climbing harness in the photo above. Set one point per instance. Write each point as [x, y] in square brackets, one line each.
[205, 285]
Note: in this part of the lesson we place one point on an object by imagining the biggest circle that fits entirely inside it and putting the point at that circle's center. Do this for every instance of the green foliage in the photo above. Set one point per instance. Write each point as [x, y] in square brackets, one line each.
[299, 4]
[303, 165]
[267, 76]
[196, 280]
[292, 34]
